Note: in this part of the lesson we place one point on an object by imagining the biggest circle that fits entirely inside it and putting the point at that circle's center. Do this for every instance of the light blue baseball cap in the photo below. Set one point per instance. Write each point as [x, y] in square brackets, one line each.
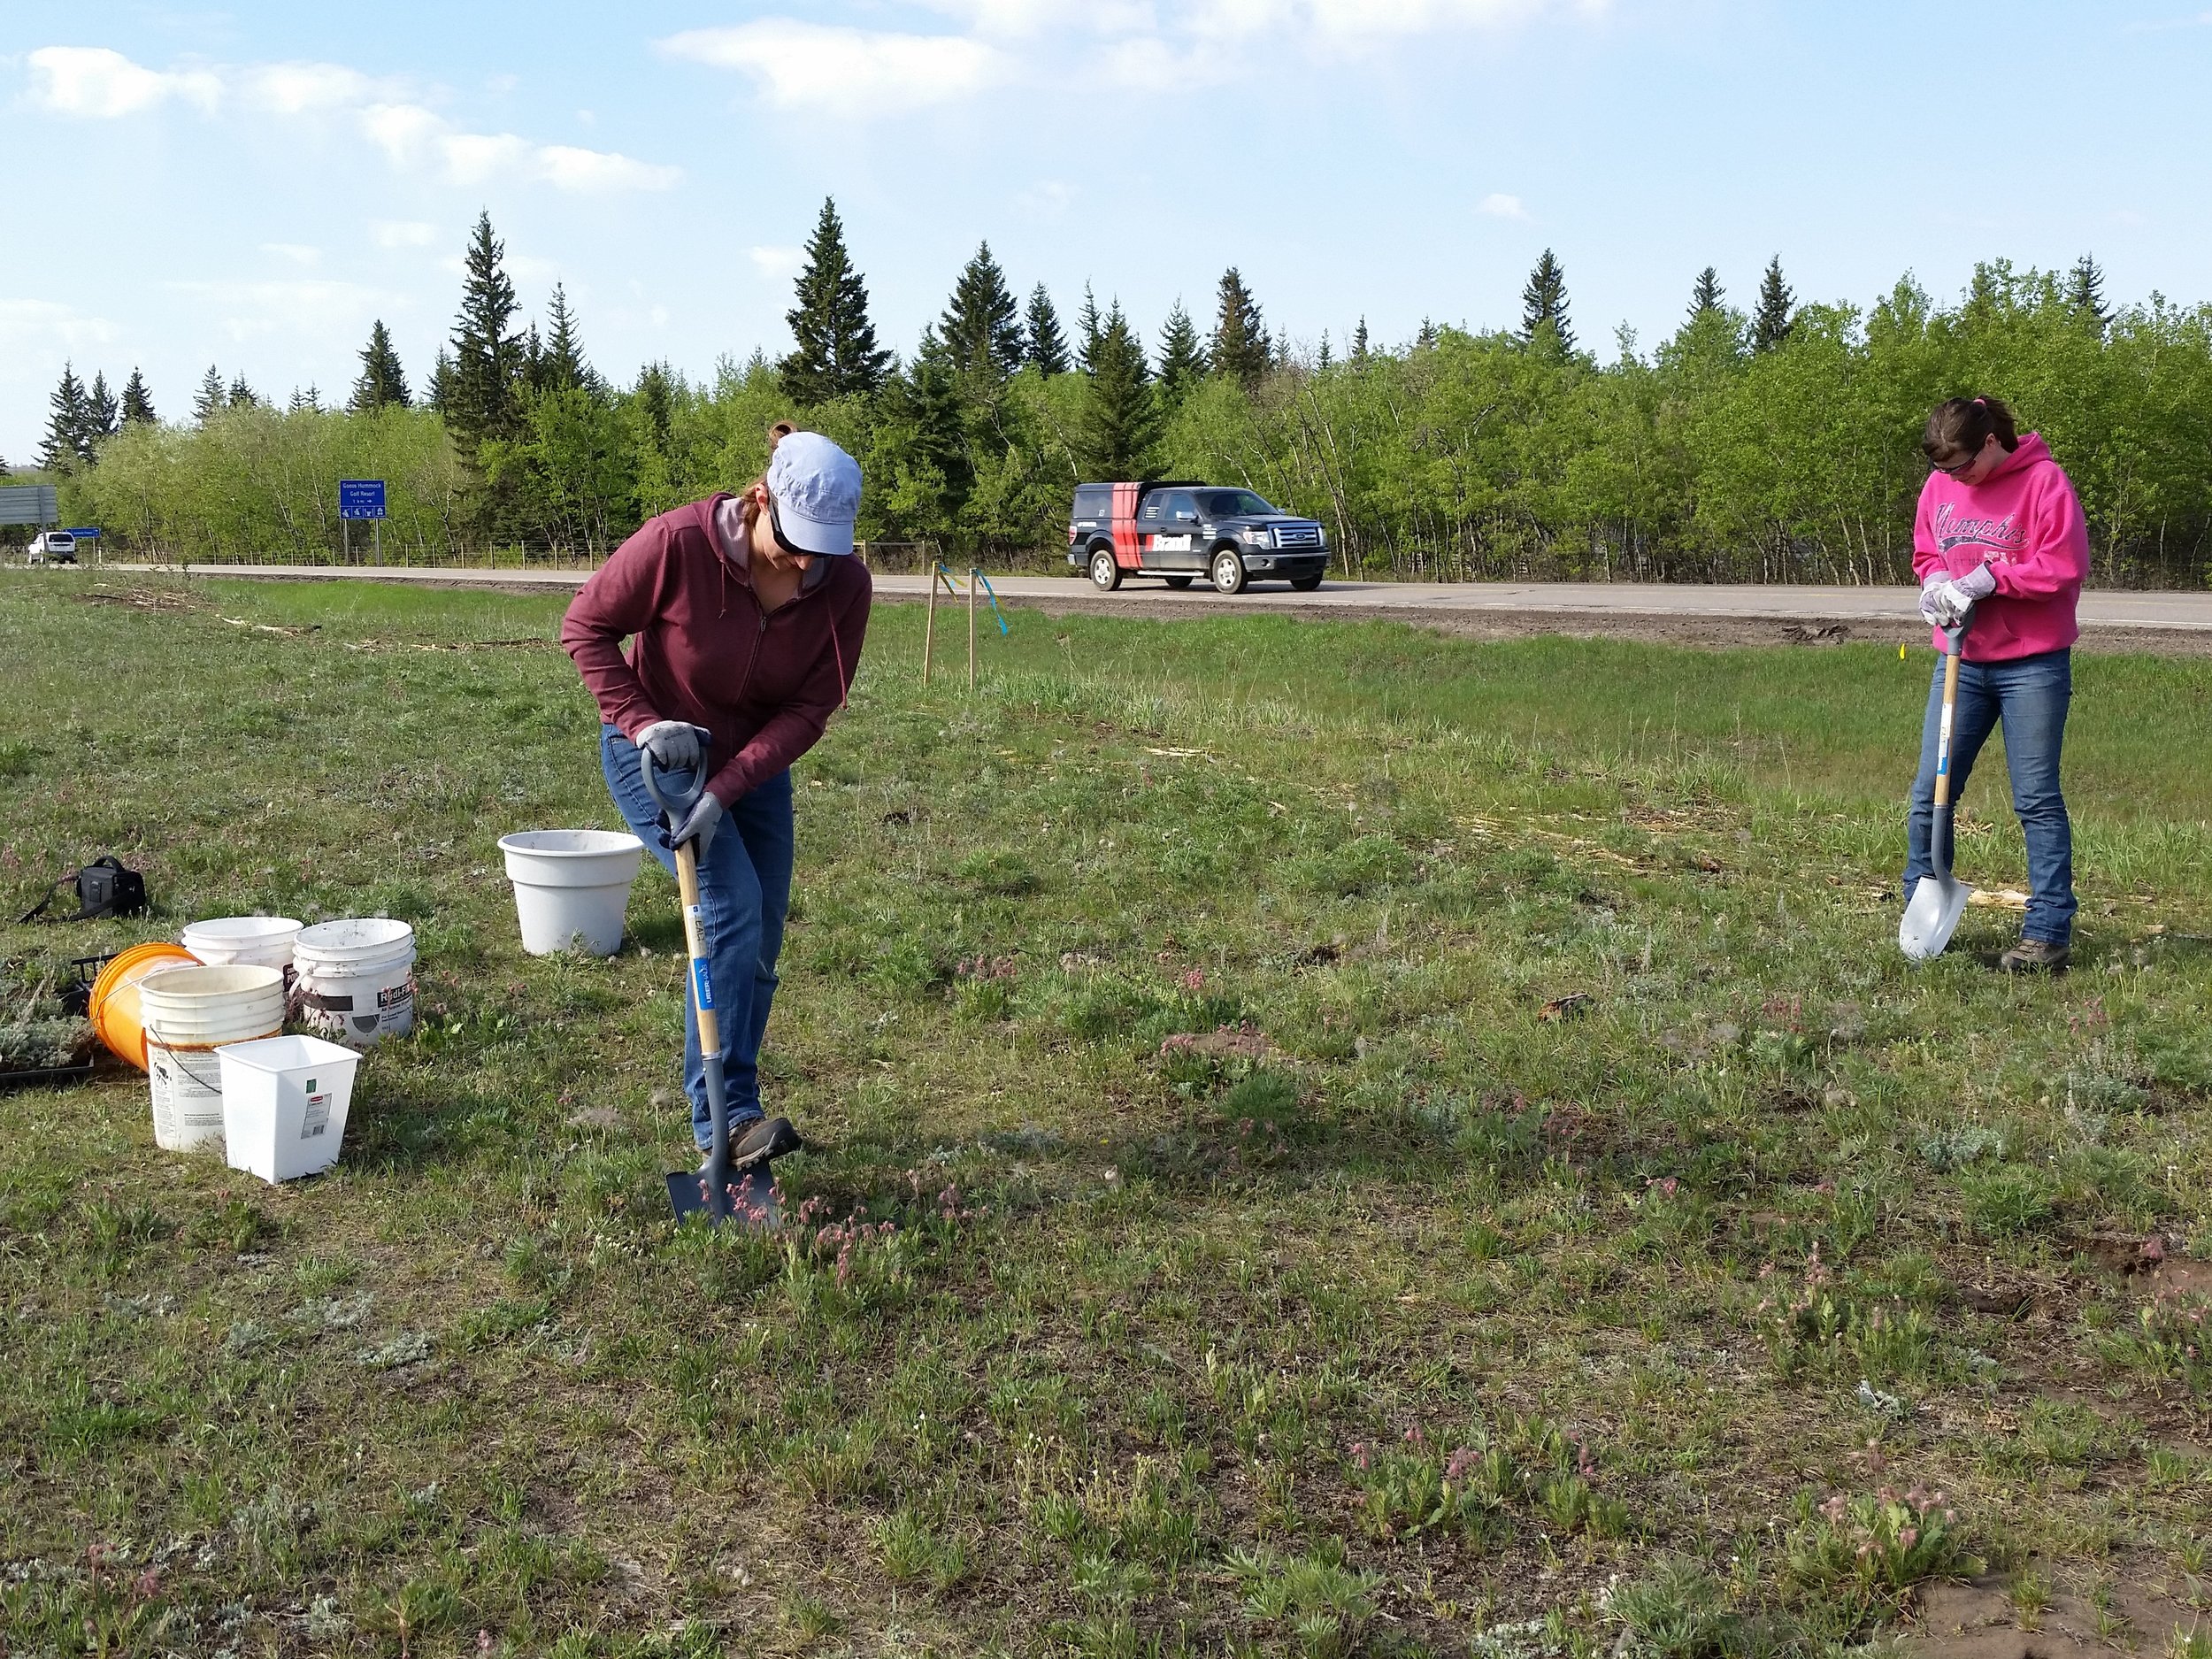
[813, 495]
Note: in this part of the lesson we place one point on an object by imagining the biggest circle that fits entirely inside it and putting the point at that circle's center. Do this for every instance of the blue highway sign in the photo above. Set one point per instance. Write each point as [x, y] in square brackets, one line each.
[360, 498]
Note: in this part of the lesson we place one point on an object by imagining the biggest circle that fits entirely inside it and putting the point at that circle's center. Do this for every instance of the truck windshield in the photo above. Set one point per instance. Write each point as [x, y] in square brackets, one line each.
[1234, 504]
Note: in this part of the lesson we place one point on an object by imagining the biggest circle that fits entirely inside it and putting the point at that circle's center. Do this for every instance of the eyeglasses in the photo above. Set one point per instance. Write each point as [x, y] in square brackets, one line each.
[1955, 468]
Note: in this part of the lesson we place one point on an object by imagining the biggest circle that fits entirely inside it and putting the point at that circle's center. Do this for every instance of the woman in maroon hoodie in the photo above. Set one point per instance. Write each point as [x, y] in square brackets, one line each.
[747, 614]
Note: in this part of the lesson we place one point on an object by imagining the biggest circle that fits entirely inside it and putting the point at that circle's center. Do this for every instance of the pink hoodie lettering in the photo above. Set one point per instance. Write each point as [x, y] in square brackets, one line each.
[2026, 523]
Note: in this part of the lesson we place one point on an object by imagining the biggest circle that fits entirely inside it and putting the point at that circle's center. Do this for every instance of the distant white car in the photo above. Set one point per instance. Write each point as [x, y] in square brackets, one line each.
[52, 546]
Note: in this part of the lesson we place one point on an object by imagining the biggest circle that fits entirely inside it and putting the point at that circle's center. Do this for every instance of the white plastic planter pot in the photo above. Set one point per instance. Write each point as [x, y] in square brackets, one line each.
[572, 887]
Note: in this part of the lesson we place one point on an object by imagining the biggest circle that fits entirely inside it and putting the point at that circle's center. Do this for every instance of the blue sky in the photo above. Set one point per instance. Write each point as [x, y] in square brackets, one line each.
[252, 185]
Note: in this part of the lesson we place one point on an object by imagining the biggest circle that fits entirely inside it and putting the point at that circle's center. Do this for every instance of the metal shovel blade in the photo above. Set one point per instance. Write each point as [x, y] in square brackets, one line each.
[751, 1201]
[1938, 902]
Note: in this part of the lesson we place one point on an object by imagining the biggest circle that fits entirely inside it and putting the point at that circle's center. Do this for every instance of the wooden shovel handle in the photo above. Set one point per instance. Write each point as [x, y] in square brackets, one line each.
[1943, 735]
[696, 942]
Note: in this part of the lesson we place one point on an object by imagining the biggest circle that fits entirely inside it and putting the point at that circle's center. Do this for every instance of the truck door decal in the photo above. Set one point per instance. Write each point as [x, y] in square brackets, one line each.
[1128, 546]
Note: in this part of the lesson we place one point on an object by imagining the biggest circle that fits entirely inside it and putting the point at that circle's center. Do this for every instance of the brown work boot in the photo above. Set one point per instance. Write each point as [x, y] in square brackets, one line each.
[2034, 955]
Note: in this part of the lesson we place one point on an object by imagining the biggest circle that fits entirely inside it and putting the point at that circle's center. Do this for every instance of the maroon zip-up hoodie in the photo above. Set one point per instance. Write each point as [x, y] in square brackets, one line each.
[764, 683]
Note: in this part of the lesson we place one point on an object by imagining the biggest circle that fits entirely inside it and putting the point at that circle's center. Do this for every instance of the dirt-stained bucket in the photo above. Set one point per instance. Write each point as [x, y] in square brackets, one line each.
[355, 980]
[188, 1013]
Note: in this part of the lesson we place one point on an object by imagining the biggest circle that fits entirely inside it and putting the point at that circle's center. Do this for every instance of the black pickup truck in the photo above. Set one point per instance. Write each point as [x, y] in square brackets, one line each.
[1180, 531]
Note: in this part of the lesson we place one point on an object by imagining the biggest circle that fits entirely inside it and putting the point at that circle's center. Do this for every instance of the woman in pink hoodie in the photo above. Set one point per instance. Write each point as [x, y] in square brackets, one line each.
[2000, 546]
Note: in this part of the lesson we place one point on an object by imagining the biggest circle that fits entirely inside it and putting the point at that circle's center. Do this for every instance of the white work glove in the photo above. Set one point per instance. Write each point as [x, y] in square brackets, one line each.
[673, 745]
[699, 824]
[1928, 591]
[1955, 599]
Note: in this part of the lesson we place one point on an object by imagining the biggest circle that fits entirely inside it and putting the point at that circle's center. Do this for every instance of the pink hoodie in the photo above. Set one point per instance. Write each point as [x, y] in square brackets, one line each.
[2024, 523]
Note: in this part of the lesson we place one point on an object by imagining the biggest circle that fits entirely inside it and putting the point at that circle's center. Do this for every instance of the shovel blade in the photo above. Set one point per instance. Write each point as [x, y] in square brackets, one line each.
[751, 1201]
[1932, 917]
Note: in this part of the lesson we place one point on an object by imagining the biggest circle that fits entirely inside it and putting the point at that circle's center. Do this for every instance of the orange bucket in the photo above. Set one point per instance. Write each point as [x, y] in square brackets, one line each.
[113, 1008]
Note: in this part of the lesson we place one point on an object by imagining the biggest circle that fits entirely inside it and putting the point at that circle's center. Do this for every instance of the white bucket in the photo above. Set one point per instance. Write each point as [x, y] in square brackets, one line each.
[247, 942]
[284, 1105]
[355, 979]
[572, 887]
[188, 1013]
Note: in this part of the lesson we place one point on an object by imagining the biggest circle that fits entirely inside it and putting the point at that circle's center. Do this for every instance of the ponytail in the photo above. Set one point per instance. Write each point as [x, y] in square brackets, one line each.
[1960, 426]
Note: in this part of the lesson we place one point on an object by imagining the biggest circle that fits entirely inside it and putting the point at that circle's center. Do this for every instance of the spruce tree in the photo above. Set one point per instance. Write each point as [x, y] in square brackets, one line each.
[209, 402]
[925, 401]
[438, 394]
[655, 397]
[1323, 359]
[1046, 347]
[1705, 293]
[980, 334]
[383, 382]
[1087, 330]
[1239, 343]
[1120, 419]
[2085, 292]
[306, 401]
[1544, 303]
[1424, 337]
[835, 353]
[100, 415]
[1182, 357]
[138, 404]
[243, 396]
[1359, 342]
[1772, 322]
[561, 367]
[65, 448]
[483, 401]
[532, 374]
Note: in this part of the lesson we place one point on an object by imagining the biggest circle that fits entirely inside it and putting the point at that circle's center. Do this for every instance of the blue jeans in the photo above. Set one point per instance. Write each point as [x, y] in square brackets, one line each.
[2029, 696]
[744, 895]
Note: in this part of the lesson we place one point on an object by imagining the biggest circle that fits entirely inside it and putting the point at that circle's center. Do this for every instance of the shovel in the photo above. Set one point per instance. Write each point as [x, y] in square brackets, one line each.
[1939, 899]
[751, 1199]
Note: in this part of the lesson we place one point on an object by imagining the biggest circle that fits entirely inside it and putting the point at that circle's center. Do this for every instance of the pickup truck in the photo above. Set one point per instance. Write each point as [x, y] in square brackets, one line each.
[1179, 531]
[51, 547]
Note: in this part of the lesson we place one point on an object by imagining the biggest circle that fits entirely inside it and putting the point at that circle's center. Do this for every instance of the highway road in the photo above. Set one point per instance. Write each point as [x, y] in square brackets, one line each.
[1680, 612]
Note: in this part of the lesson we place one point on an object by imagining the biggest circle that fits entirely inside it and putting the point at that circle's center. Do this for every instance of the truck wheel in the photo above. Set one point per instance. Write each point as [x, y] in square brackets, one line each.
[1228, 572]
[1105, 574]
[1178, 582]
[1306, 584]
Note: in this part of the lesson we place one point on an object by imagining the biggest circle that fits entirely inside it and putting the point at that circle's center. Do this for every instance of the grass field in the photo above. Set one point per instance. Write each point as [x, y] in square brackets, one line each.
[1330, 1141]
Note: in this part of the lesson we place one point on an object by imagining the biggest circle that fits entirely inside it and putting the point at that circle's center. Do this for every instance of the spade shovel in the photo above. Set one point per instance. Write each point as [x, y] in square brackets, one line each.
[1938, 899]
[751, 1199]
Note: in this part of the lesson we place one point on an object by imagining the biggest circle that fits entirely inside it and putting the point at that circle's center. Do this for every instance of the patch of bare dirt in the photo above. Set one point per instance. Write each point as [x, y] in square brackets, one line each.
[1979, 1620]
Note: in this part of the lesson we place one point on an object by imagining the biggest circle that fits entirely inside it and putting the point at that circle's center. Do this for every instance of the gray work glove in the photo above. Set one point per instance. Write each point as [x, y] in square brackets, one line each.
[699, 824]
[1955, 599]
[1934, 585]
[673, 745]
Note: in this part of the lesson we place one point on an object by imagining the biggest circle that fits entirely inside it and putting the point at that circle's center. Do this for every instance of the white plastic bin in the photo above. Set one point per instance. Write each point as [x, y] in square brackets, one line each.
[284, 1105]
[355, 979]
[572, 887]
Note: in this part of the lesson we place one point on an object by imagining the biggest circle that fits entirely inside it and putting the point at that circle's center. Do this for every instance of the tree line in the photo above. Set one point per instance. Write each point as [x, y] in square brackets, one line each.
[1774, 442]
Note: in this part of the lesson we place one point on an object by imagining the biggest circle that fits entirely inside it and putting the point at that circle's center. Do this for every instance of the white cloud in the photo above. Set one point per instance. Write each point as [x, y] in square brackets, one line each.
[1500, 205]
[102, 85]
[29, 323]
[591, 172]
[777, 264]
[845, 70]
[320, 308]
[1127, 45]
[94, 82]
[402, 233]
[296, 88]
[293, 253]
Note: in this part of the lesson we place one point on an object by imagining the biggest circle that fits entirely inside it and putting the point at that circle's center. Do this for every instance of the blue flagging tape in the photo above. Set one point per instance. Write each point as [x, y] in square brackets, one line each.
[1001, 615]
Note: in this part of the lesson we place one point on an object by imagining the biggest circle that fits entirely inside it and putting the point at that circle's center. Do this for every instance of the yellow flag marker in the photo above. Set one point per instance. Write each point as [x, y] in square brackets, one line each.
[1900, 653]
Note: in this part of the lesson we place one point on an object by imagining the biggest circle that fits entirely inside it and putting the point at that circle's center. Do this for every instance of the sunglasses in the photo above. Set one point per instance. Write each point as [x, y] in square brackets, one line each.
[775, 528]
